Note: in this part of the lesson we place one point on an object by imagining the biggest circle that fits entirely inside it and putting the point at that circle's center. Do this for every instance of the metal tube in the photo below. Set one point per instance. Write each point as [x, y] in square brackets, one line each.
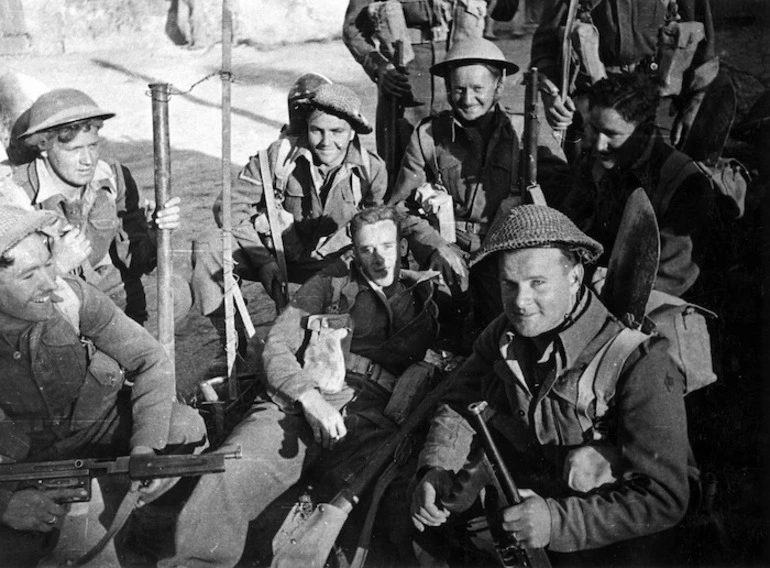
[162, 152]
[227, 256]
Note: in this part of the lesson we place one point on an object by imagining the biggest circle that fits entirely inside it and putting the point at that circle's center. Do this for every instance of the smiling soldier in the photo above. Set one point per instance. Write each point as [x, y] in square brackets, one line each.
[465, 156]
[627, 150]
[319, 183]
[113, 237]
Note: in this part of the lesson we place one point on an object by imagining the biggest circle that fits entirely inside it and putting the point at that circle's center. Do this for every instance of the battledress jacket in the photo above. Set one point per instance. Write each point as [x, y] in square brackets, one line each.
[647, 424]
[479, 174]
[320, 207]
[60, 395]
[121, 240]
[684, 201]
[393, 333]
[628, 33]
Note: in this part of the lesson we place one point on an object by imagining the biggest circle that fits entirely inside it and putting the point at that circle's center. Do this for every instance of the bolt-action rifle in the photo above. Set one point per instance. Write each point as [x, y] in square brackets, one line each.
[393, 114]
[77, 473]
[486, 469]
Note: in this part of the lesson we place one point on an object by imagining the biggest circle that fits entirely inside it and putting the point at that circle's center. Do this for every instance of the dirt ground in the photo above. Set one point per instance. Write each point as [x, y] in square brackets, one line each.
[118, 80]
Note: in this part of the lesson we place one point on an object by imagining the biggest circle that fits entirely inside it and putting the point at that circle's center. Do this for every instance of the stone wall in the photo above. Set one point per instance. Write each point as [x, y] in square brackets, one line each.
[57, 26]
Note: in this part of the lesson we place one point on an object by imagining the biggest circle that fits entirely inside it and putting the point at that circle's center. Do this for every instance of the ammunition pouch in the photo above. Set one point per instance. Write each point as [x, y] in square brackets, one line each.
[291, 243]
[439, 208]
[677, 42]
[470, 235]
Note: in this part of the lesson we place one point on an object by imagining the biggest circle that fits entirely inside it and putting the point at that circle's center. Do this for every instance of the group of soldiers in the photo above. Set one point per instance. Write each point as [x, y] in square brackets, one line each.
[509, 286]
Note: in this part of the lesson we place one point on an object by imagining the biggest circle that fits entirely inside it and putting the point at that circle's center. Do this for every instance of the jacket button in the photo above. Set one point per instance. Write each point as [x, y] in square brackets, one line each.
[521, 413]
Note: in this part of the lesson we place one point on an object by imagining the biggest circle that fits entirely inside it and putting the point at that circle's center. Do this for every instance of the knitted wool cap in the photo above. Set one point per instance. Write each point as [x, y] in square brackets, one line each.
[341, 101]
[536, 226]
[17, 223]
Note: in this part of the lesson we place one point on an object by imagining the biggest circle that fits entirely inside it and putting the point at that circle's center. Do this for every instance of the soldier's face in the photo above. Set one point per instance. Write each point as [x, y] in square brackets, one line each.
[74, 162]
[329, 137]
[611, 137]
[376, 247]
[473, 91]
[26, 287]
[538, 288]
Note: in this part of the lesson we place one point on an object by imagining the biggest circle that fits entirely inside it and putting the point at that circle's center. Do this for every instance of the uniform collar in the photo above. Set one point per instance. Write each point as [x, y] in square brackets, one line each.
[50, 185]
[589, 319]
[501, 124]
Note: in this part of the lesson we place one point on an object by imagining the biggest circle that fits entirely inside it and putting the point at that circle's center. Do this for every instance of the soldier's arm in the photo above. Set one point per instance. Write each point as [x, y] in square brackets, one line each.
[357, 38]
[285, 380]
[128, 343]
[135, 246]
[546, 41]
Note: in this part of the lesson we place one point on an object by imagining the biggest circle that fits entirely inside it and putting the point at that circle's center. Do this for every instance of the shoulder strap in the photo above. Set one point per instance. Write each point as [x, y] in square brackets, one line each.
[21, 177]
[282, 166]
[597, 383]
[69, 307]
[342, 286]
[426, 136]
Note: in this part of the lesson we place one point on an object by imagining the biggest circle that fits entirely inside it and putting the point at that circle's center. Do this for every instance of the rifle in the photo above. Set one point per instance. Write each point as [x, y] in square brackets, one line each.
[311, 544]
[394, 113]
[485, 468]
[77, 473]
[529, 147]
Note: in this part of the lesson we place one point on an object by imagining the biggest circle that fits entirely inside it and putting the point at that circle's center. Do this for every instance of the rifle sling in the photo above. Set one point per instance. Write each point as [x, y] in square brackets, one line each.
[272, 221]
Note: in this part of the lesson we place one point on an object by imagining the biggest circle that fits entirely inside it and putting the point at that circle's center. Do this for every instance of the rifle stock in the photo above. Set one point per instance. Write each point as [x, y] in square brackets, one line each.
[394, 113]
[314, 541]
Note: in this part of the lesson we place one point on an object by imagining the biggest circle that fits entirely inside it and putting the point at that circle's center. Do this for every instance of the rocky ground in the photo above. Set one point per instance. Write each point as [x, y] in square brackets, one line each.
[118, 80]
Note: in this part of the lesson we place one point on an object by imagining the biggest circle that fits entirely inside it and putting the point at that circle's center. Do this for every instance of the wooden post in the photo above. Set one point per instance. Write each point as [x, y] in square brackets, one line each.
[231, 345]
[161, 147]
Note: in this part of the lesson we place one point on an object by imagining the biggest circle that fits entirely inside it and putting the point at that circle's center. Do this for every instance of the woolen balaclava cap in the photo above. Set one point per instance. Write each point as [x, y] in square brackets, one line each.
[341, 101]
[537, 226]
[17, 223]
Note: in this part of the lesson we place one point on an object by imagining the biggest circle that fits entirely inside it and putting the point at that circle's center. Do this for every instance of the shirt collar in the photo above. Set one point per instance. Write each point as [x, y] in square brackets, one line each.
[501, 123]
[573, 338]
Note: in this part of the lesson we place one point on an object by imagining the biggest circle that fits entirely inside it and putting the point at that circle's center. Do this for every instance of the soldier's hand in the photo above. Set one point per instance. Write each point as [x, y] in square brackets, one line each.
[529, 521]
[151, 488]
[38, 510]
[167, 217]
[70, 250]
[452, 267]
[270, 277]
[684, 119]
[393, 82]
[558, 112]
[426, 509]
[325, 420]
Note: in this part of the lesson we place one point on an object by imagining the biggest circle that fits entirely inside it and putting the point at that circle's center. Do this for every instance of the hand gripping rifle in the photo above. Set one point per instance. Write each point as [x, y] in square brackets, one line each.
[312, 542]
[486, 469]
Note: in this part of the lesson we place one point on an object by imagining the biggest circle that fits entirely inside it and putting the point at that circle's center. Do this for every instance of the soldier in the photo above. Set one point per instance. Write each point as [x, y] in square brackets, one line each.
[673, 38]
[391, 317]
[64, 350]
[629, 151]
[112, 241]
[320, 181]
[603, 490]
[470, 155]
[428, 29]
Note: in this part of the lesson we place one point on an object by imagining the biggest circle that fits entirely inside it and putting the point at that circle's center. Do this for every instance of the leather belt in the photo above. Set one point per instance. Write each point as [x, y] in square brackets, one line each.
[370, 370]
[427, 35]
[472, 227]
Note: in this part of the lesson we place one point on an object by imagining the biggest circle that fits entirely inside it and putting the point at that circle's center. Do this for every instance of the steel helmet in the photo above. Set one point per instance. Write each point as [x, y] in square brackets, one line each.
[60, 107]
[300, 93]
[470, 51]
